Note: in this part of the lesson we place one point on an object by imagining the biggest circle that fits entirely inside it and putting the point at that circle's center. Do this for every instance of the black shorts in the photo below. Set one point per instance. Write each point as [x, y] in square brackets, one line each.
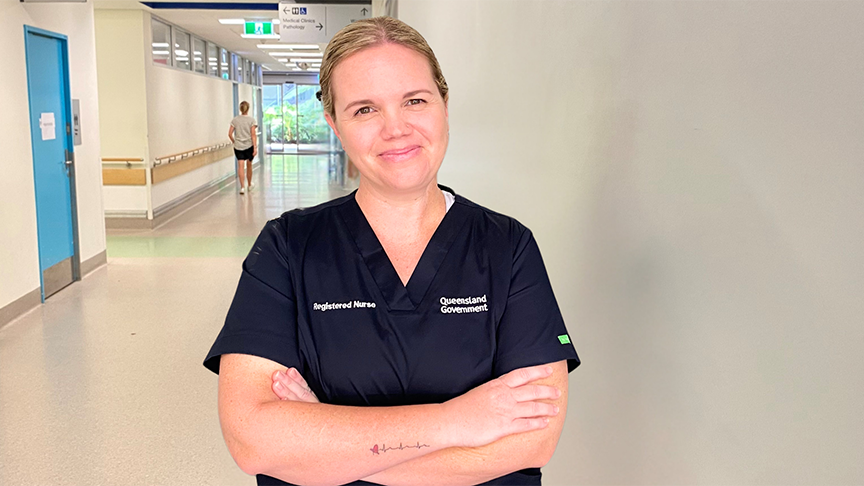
[244, 154]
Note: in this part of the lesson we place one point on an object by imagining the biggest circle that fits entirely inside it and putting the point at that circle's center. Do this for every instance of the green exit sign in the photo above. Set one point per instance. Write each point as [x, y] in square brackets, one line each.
[259, 28]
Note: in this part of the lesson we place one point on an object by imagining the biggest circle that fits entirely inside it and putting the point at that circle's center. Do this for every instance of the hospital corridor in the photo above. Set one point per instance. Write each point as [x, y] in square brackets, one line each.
[103, 384]
[449, 200]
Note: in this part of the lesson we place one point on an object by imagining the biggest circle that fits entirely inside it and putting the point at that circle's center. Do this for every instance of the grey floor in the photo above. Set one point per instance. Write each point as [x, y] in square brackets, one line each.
[103, 384]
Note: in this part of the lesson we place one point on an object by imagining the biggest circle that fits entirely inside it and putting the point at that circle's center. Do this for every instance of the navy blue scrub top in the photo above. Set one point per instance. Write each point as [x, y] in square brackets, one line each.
[318, 293]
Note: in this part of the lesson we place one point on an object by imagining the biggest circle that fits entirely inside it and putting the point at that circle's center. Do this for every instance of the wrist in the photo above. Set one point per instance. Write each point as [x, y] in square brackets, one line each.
[447, 431]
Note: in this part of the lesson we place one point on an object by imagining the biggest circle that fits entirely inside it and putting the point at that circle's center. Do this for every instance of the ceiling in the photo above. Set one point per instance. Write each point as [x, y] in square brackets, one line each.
[204, 23]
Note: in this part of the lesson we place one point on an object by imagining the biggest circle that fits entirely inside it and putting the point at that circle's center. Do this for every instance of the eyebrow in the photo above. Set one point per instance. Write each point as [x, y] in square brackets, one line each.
[370, 102]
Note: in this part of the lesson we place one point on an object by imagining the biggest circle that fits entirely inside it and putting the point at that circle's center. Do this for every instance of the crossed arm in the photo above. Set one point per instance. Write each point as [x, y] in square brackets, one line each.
[502, 426]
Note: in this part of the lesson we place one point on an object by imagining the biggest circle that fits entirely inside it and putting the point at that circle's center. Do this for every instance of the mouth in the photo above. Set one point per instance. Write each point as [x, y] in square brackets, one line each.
[399, 155]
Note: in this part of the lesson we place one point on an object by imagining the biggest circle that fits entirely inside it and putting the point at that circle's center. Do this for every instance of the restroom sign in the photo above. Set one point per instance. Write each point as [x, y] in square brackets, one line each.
[302, 23]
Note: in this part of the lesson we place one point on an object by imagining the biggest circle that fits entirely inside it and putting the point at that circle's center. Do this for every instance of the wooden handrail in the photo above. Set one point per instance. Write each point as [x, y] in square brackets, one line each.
[122, 159]
[191, 153]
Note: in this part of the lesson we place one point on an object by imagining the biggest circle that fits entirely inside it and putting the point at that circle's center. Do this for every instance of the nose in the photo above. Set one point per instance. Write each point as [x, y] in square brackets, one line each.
[395, 125]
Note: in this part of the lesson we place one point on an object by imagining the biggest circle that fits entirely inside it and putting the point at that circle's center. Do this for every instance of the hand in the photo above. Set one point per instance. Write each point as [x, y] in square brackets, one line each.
[290, 385]
[504, 406]
[254, 152]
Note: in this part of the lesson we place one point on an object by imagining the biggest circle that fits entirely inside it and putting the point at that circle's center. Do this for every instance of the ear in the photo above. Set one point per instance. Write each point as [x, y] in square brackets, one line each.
[332, 125]
[447, 107]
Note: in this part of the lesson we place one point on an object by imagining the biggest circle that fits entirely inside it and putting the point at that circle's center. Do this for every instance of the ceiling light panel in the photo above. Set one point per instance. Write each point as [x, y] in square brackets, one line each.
[288, 46]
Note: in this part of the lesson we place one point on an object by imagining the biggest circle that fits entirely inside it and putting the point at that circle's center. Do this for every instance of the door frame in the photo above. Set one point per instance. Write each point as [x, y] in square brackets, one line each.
[70, 148]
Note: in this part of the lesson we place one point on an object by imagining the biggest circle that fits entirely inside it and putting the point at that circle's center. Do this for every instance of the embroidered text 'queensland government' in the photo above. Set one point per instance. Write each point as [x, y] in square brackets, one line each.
[463, 305]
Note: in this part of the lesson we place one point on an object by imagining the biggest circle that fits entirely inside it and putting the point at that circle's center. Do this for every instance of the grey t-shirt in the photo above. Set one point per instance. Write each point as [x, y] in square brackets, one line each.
[243, 131]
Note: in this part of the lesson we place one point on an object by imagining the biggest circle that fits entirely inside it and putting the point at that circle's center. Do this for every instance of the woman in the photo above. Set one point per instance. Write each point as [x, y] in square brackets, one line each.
[242, 135]
[401, 334]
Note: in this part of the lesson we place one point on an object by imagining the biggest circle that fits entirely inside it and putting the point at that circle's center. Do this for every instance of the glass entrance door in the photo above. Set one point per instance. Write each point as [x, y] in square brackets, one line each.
[294, 120]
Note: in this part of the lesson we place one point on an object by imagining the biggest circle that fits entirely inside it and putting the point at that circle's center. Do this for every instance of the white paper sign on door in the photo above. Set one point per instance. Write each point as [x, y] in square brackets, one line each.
[46, 123]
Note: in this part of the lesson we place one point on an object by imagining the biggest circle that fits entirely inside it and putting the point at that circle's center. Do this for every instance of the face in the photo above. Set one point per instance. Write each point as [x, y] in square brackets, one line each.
[390, 117]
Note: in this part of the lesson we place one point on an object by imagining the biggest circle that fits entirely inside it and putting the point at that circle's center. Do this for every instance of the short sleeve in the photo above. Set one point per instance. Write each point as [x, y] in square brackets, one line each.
[531, 331]
[262, 319]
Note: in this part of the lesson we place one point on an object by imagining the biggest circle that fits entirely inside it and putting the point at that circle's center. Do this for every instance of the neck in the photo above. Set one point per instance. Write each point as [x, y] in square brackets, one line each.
[409, 209]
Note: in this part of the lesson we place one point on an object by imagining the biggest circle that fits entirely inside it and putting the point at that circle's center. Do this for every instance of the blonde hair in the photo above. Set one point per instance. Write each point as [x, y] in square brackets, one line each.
[244, 107]
[366, 33]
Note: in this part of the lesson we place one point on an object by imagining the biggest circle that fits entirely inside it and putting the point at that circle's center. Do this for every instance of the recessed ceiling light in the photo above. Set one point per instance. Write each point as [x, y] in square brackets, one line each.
[232, 21]
[160, 44]
[288, 46]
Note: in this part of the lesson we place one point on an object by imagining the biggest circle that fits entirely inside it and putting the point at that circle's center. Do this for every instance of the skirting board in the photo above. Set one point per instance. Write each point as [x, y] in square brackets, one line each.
[17, 308]
[93, 263]
[32, 299]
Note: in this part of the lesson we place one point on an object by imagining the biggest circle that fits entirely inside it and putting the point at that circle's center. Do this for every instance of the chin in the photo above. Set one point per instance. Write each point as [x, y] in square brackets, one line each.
[407, 180]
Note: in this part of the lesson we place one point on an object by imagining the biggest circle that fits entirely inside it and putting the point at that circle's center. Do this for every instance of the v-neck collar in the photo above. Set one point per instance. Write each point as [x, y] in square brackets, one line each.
[400, 297]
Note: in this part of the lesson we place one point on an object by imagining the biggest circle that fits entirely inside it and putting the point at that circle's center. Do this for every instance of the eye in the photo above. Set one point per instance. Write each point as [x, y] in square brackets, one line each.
[363, 111]
[416, 101]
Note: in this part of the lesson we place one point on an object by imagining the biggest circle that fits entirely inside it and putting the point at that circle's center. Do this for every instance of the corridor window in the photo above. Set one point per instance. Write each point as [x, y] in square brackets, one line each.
[212, 59]
[181, 49]
[161, 43]
[198, 52]
[237, 68]
[224, 68]
[247, 74]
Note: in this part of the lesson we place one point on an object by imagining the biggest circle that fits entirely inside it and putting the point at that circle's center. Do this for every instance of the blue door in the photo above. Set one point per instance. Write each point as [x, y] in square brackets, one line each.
[53, 171]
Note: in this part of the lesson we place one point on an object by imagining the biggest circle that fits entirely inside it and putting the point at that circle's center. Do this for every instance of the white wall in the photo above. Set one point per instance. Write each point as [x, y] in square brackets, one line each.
[177, 187]
[692, 172]
[19, 253]
[19, 264]
[125, 201]
[185, 111]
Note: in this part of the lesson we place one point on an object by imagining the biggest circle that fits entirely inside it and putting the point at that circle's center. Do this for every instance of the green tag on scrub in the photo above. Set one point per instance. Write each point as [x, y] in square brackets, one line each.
[565, 339]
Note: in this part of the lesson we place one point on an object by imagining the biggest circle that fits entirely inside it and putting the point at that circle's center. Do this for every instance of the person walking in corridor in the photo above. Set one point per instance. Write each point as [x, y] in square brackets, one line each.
[242, 135]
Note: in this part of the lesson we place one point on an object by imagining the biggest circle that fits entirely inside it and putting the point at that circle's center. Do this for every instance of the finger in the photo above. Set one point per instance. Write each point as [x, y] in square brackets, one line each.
[282, 392]
[529, 424]
[303, 392]
[527, 393]
[296, 376]
[523, 376]
[535, 409]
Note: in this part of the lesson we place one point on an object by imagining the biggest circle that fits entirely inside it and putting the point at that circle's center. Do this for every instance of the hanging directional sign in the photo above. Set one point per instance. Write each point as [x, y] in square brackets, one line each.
[302, 23]
[338, 16]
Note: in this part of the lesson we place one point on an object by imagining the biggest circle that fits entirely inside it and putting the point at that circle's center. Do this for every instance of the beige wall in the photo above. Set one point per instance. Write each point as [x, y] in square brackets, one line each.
[122, 92]
[692, 171]
[19, 264]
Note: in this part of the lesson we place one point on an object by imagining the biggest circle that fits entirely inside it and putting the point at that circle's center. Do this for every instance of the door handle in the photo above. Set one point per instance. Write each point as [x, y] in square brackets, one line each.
[70, 159]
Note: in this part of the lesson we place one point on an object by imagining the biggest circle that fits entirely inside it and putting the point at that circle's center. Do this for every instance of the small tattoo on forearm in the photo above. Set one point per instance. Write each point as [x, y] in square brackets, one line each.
[375, 450]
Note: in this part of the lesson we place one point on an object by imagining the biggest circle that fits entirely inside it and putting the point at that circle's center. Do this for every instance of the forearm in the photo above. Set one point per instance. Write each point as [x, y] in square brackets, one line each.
[464, 465]
[312, 444]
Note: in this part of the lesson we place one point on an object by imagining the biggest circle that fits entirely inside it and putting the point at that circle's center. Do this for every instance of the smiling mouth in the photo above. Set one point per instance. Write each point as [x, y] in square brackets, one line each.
[399, 155]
